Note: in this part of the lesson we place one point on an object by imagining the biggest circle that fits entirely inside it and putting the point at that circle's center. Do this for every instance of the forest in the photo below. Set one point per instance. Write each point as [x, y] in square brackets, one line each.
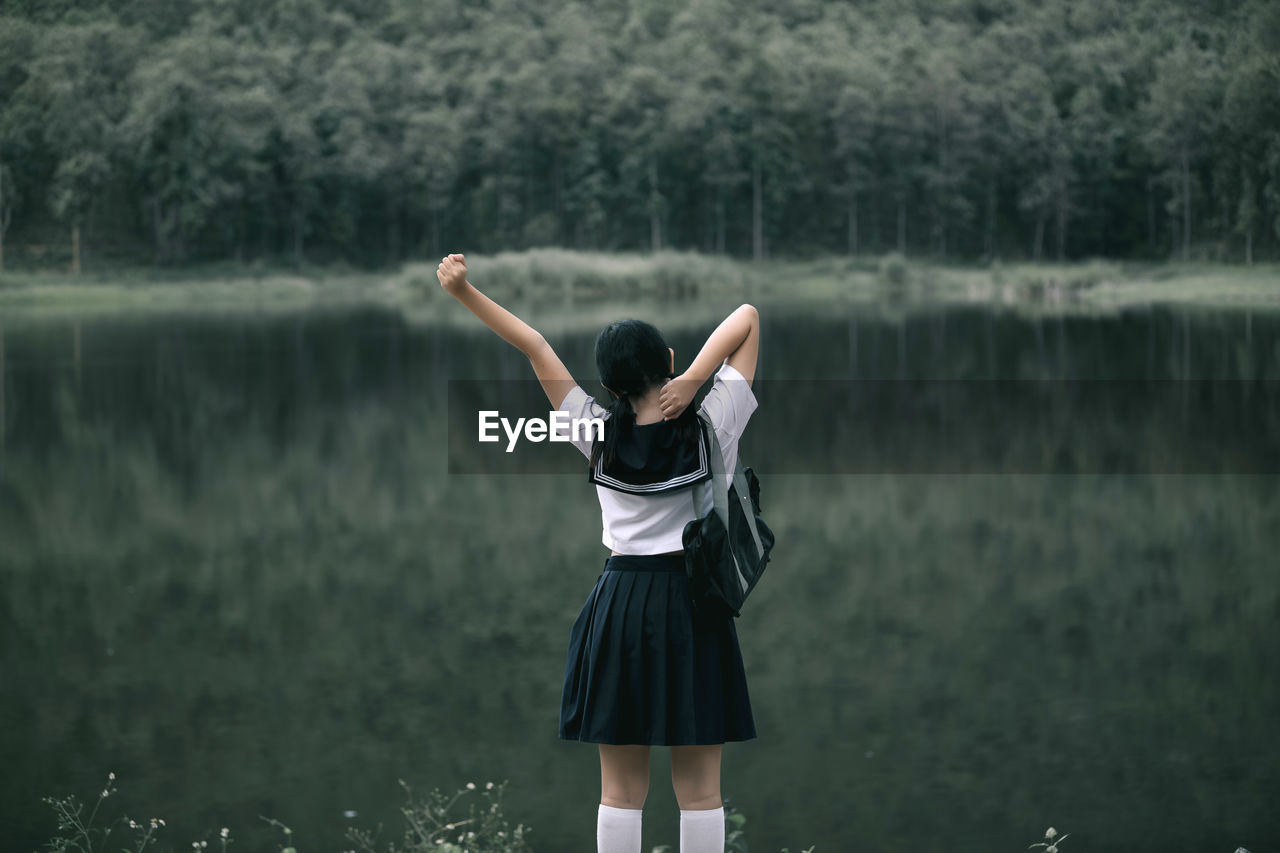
[370, 132]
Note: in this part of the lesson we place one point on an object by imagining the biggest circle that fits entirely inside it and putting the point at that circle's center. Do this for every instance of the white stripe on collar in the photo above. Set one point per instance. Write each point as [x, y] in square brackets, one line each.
[702, 472]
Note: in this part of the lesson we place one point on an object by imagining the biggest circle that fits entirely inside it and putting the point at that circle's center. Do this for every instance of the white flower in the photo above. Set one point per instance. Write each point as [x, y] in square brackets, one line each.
[105, 792]
[471, 786]
[111, 775]
[204, 843]
[161, 821]
[225, 832]
[488, 786]
[1050, 832]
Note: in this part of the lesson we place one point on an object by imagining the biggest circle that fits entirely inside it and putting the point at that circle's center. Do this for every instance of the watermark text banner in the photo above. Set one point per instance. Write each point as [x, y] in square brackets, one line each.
[921, 426]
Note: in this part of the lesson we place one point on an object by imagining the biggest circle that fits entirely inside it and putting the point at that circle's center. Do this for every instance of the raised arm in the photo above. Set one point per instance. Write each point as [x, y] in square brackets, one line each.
[551, 372]
[736, 340]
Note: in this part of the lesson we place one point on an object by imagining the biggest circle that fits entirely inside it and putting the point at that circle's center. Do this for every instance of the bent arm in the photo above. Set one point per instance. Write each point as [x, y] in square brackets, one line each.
[736, 340]
[551, 372]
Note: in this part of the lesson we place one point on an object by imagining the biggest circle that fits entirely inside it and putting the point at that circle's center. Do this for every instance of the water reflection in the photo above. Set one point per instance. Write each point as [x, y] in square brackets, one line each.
[238, 574]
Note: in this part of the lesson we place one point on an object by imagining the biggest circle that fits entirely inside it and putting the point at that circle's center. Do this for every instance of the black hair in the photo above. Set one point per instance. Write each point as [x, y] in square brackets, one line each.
[632, 357]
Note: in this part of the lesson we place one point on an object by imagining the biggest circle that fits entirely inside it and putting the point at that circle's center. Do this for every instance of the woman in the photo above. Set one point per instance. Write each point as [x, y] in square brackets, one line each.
[644, 669]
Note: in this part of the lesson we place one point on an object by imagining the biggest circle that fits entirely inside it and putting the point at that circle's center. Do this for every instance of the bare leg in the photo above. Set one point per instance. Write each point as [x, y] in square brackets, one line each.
[624, 776]
[624, 782]
[695, 776]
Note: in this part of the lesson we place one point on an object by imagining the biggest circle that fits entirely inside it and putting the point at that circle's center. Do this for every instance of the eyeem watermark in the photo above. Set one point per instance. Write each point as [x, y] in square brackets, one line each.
[920, 426]
[536, 429]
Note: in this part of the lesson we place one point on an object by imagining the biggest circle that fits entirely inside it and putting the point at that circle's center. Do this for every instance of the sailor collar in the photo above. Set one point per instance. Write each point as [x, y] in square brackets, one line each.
[650, 459]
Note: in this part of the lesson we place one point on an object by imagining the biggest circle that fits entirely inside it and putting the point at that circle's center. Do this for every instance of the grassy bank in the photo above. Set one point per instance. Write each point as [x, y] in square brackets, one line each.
[554, 277]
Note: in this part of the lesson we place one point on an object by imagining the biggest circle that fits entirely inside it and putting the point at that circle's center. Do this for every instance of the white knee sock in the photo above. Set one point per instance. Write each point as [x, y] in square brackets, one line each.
[702, 831]
[618, 830]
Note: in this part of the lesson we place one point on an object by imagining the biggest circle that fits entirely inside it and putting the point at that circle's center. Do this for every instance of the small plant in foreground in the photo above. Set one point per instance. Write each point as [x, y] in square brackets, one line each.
[435, 824]
[288, 834]
[80, 830]
[1051, 842]
[735, 838]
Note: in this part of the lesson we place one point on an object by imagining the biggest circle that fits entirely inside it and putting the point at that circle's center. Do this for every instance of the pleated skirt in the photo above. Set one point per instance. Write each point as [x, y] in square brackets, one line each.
[644, 668]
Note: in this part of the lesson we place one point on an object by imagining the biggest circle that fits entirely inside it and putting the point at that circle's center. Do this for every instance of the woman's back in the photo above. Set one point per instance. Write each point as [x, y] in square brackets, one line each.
[646, 512]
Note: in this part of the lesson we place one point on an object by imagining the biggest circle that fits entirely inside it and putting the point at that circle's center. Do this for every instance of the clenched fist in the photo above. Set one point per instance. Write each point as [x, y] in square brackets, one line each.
[452, 273]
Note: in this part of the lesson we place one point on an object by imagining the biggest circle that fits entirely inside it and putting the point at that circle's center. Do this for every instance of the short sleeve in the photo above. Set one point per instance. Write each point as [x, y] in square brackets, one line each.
[581, 406]
[729, 404]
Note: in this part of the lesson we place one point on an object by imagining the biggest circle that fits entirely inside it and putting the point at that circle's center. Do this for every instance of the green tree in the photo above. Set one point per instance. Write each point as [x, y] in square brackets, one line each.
[1044, 158]
[1251, 121]
[20, 135]
[1180, 113]
[1101, 89]
[368, 131]
[197, 129]
[639, 100]
[949, 118]
[846, 86]
[361, 124]
[993, 145]
[77, 79]
[433, 145]
[563, 96]
[905, 117]
[773, 91]
[707, 111]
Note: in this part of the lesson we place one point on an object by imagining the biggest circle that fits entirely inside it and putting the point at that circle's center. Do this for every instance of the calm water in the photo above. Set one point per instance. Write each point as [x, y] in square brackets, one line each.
[238, 572]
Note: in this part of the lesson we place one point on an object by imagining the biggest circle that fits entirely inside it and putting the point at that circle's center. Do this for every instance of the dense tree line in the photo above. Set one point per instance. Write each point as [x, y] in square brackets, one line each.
[375, 130]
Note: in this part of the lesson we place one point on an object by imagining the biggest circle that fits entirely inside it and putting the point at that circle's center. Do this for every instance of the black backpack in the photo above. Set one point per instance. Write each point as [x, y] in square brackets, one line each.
[726, 550]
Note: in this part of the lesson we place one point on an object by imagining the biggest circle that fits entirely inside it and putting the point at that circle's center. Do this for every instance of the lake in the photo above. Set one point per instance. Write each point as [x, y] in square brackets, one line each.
[1025, 577]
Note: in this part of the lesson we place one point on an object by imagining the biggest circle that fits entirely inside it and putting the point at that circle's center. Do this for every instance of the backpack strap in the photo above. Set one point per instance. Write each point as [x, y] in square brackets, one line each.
[719, 482]
[720, 487]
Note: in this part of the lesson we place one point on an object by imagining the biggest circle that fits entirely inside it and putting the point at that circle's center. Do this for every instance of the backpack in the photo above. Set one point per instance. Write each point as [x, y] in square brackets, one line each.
[727, 549]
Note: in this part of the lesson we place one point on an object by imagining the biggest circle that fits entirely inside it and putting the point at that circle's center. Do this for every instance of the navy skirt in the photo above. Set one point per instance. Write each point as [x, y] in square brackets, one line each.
[643, 668]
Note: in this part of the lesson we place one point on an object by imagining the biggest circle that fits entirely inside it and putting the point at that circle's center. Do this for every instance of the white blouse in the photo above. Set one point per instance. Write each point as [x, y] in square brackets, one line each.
[653, 524]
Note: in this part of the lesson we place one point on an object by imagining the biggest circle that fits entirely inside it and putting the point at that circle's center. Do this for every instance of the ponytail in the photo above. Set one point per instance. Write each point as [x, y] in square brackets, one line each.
[621, 418]
[632, 358]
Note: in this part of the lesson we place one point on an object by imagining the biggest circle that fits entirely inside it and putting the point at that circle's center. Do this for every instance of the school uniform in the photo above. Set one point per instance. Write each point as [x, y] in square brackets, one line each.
[642, 666]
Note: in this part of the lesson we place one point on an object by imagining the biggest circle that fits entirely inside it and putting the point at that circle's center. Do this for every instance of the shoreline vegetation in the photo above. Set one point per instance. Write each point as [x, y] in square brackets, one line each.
[556, 277]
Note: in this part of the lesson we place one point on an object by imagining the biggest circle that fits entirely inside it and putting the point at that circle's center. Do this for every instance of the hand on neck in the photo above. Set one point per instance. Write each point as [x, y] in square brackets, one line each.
[646, 406]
